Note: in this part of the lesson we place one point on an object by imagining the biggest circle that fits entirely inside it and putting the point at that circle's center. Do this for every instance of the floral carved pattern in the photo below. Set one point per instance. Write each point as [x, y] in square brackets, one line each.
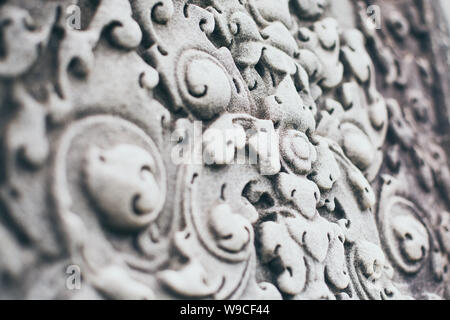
[348, 193]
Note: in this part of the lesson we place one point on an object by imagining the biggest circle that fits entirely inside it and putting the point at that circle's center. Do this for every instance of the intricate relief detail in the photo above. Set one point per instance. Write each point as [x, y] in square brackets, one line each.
[407, 237]
[124, 187]
[199, 78]
[128, 190]
[304, 253]
[372, 273]
[89, 117]
[411, 240]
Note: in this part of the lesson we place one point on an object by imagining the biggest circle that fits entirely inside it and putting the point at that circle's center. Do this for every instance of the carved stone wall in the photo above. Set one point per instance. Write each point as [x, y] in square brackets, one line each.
[125, 144]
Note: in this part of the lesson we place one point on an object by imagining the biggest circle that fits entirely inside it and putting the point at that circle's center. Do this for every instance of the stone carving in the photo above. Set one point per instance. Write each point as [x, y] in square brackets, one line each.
[281, 191]
[124, 187]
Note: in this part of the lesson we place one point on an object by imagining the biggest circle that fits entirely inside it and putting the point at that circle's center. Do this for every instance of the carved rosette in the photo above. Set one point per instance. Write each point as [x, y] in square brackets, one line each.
[346, 196]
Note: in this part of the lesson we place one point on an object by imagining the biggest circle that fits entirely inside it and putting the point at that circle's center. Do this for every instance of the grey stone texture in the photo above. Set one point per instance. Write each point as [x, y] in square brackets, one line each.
[121, 141]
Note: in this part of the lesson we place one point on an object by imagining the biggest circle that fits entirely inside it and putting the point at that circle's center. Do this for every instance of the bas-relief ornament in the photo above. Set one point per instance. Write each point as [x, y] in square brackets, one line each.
[108, 192]
[343, 201]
